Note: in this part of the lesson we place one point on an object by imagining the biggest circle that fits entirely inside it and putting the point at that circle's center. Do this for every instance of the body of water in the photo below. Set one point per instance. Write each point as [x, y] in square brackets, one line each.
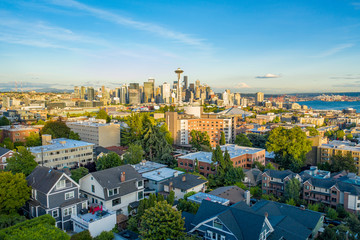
[320, 105]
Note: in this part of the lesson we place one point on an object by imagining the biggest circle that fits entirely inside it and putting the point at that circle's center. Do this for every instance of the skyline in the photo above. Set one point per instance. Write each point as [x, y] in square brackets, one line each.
[273, 47]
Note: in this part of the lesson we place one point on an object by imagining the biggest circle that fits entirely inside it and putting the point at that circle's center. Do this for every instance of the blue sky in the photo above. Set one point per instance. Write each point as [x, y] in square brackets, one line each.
[246, 46]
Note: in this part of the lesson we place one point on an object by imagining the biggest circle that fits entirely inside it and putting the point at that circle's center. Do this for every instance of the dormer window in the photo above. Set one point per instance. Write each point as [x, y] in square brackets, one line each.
[218, 224]
[60, 184]
[140, 183]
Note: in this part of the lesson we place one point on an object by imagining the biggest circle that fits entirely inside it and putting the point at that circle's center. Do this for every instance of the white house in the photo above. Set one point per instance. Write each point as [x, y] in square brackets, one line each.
[183, 184]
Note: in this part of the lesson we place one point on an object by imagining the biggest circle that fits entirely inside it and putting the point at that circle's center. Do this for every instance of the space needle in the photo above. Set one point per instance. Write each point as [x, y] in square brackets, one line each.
[178, 72]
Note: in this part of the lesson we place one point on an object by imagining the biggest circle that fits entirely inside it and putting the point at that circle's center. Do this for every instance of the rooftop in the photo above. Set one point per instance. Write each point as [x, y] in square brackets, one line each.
[88, 123]
[161, 174]
[147, 166]
[14, 128]
[200, 196]
[235, 150]
[345, 145]
[60, 144]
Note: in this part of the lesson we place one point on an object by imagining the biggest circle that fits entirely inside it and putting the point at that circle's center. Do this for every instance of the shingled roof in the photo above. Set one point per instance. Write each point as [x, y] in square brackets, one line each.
[43, 178]
[190, 181]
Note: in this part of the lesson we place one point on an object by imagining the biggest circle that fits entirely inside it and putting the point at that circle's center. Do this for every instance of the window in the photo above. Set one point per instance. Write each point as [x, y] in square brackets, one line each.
[83, 205]
[218, 224]
[60, 184]
[115, 191]
[140, 195]
[140, 183]
[93, 188]
[55, 213]
[34, 194]
[69, 211]
[69, 195]
[116, 201]
[111, 192]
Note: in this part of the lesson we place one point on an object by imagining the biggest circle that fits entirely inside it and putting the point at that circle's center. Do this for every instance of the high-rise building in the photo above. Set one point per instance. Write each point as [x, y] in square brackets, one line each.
[178, 89]
[259, 98]
[90, 94]
[76, 92]
[82, 92]
[134, 94]
[185, 82]
[123, 94]
[192, 87]
[165, 93]
[237, 98]
[148, 91]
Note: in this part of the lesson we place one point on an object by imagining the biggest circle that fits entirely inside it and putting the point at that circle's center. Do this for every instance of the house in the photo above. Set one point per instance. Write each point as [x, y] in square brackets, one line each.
[233, 193]
[4, 155]
[332, 192]
[55, 193]
[183, 184]
[114, 188]
[264, 220]
[274, 181]
[154, 179]
[252, 177]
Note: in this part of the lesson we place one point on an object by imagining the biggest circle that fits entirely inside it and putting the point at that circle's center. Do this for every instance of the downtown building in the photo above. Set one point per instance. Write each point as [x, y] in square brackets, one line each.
[180, 126]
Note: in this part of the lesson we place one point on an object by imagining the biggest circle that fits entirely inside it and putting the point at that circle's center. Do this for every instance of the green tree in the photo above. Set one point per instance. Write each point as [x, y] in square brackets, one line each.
[258, 141]
[242, 140]
[14, 192]
[33, 140]
[269, 166]
[109, 160]
[8, 220]
[291, 202]
[74, 136]
[349, 136]
[105, 236]
[84, 235]
[353, 222]
[328, 234]
[21, 162]
[312, 131]
[187, 206]
[78, 173]
[102, 114]
[314, 207]
[7, 143]
[340, 162]
[234, 175]
[258, 165]
[161, 222]
[292, 189]
[171, 198]
[340, 134]
[134, 154]
[290, 147]
[199, 139]
[331, 213]
[57, 129]
[222, 139]
[4, 121]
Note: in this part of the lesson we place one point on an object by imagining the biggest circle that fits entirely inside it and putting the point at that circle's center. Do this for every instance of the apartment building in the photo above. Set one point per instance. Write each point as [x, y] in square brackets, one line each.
[312, 120]
[242, 157]
[17, 133]
[180, 126]
[62, 152]
[274, 182]
[340, 147]
[100, 134]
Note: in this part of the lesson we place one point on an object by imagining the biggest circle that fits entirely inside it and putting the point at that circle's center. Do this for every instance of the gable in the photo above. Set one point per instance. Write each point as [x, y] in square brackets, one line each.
[68, 181]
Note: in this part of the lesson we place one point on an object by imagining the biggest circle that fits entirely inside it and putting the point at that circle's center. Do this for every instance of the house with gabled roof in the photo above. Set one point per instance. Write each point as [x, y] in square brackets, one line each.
[55, 193]
[274, 181]
[114, 188]
[4, 155]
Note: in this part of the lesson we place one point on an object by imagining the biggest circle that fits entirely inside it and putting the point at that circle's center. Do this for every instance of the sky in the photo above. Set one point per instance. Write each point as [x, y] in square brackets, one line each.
[277, 46]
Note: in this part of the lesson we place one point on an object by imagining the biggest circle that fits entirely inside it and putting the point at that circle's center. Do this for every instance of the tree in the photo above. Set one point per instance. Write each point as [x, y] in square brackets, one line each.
[331, 213]
[199, 139]
[134, 154]
[33, 140]
[187, 206]
[21, 162]
[258, 141]
[57, 129]
[328, 234]
[84, 235]
[234, 175]
[290, 147]
[4, 121]
[78, 173]
[105, 236]
[312, 131]
[353, 222]
[340, 162]
[269, 166]
[109, 160]
[102, 114]
[161, 222]
[10, 220]
[242, 140]
[222, 139]
[349, 136]
[171, 198]
[258, 165]
[340, 134]
[74, 136]
[292, 189]
[14, 192]
[291, 202]
[314, 207]
[7, 143]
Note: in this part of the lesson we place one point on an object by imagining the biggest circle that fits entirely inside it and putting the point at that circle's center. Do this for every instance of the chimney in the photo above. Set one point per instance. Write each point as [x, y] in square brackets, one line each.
[46, 139]
[176, 174]
[266, 214]
[183, 178]
[122, 177]
[247, 197]
[170, 186]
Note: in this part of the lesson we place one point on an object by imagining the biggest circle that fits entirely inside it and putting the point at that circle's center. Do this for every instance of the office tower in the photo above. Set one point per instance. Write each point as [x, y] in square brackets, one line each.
[208, 90]
[259, 98]
[76, 92]
[185, 82]
[134, 94]
[82, 92]
[197, 83]
[90, 94]
[243, 102]
[237, 98]
[165, 92]
[192, 87]
[123, 94]
[178, 90]
[148, 91]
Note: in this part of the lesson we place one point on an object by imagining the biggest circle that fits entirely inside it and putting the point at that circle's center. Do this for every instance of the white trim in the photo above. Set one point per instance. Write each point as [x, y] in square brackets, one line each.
[269, 225]
[66, 176]
[67, 189]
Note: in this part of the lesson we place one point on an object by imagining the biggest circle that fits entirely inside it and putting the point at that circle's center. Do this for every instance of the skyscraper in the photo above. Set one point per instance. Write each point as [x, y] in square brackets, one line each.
[123, 94]
[259, 98]
[178, 89]
[76, 92]
[134, 94]
[148, 91]
[165, 93]
[185, 82]
[90, 94]
[82, 92]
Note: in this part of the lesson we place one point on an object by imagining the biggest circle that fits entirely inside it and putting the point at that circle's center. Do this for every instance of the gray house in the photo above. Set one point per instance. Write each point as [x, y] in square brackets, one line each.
[55, 193]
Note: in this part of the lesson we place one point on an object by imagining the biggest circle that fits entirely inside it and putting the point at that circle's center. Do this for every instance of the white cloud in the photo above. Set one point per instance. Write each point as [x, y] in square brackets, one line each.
[143, 26]
[334, 50]
[269, 75]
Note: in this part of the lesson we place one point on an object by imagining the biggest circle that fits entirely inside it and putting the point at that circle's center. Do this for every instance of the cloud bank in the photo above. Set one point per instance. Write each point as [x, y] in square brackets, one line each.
[269, 75]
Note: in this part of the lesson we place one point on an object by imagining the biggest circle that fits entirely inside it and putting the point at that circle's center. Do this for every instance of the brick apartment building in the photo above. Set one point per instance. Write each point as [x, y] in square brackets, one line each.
[242, 157]
[17, 133]
[273, 181]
